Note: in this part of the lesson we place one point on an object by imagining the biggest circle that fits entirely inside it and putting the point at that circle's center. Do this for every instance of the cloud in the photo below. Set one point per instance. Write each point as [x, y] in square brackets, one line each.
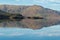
[57, 1]
[15, 34]
[17, 0]
[1, 34]
[49, 31]
[11, 34]
[54, 1]
[47, 1]
[39, 0]
[46, 33]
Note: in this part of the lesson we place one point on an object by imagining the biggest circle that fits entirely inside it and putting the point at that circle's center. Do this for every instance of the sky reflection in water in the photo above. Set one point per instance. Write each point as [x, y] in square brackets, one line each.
[47, 31]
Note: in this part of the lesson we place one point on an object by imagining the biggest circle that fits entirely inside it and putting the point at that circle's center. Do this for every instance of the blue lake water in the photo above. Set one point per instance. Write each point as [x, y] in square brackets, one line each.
[30, 38]
[48, 33]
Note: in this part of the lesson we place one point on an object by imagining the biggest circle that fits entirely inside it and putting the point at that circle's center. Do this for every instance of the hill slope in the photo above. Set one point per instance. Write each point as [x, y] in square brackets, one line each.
[51, 17]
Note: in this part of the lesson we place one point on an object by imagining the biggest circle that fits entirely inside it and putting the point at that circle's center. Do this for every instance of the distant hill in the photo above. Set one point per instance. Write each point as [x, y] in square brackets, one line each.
[52, 17]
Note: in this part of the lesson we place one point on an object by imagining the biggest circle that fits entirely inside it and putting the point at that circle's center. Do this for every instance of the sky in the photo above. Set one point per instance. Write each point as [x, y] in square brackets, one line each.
[52, 4]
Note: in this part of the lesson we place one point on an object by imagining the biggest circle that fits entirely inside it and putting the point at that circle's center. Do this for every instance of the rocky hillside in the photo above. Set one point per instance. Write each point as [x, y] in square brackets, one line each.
[51, 17]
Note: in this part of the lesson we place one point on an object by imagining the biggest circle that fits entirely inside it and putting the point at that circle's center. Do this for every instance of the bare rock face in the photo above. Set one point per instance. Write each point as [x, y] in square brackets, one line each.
[51, 17]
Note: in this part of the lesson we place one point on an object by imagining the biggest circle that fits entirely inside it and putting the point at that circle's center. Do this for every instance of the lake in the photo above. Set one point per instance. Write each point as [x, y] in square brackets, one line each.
[46, 33]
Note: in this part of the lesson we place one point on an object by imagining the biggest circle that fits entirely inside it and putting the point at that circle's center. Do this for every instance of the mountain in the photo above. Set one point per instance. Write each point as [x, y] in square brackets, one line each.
[51, 17]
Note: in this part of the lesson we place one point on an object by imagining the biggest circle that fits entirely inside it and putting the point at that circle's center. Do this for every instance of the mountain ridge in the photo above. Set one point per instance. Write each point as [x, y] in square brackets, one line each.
[51, 16]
